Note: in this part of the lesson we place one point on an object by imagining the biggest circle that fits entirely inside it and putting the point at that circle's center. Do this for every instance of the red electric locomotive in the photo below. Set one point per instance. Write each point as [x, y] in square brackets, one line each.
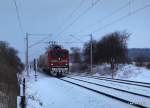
[58, 62]
[55, 61]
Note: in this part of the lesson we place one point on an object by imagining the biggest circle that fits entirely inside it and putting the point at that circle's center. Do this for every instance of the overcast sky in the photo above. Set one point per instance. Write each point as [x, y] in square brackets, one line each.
[61, 18]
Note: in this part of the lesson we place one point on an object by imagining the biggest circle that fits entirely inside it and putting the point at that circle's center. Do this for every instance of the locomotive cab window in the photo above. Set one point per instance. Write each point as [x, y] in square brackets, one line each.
[58, 54]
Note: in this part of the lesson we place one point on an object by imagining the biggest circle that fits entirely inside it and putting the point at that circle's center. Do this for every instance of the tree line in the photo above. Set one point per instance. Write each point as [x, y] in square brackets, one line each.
[10, 65]
[111, 49]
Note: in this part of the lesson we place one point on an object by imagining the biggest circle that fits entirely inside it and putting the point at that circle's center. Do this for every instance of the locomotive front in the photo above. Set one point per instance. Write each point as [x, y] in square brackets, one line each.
[58, 62]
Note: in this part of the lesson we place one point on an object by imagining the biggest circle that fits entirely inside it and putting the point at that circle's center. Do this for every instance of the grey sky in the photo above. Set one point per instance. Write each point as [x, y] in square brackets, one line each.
[51, 16]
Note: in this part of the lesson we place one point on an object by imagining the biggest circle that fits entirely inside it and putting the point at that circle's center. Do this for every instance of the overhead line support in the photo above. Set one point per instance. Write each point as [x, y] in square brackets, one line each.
[91, 55]
[27, 54]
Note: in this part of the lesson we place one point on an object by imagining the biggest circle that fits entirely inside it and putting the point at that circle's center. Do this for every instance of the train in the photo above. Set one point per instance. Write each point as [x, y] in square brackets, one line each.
[55, 61]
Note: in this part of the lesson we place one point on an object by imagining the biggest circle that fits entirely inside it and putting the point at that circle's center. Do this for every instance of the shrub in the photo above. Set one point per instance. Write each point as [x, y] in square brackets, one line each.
[148, 66]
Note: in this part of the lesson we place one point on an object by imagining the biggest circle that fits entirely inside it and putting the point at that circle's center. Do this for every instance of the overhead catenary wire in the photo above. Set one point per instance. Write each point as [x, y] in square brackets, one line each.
[66, 42]
[73, 12]
[18, 17]
[37, 52]
[40, 41]
[108, 16]
[76, 38]
[79, 16]
[81, 3]
[122, 17]
[19, 20]
[114, 12]
[44, 34]
[76, 9]
[71, 42]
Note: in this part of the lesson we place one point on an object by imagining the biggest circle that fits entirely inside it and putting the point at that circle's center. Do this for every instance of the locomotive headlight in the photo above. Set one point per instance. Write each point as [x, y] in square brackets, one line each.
[51, 64]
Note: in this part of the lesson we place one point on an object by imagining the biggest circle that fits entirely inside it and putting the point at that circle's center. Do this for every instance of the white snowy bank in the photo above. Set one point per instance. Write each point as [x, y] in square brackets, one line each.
[128, 72]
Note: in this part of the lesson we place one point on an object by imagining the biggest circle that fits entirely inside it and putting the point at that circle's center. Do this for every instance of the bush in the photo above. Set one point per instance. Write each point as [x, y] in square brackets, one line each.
[148, 66]
[140, 60]
[77, 67]
[83, 67]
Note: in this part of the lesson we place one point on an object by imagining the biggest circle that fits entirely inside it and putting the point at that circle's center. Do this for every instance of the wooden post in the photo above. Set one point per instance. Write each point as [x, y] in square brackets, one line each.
[35, 69]
[23, 98]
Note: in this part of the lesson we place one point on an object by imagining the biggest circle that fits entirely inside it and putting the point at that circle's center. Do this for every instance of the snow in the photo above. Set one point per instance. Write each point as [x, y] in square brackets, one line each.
[127, 72]
[123, 95]
[127, 87]
[49, 92]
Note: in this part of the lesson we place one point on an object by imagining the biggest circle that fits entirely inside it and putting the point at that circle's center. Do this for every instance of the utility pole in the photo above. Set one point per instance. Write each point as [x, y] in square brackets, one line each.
[27, 55]
[23, 98]
[27, 48]
[91, 55]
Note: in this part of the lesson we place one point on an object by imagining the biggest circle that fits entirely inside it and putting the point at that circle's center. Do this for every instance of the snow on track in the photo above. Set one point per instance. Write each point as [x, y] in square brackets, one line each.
[49, 92]
[132, 88]
[137, 83]
[130, 97]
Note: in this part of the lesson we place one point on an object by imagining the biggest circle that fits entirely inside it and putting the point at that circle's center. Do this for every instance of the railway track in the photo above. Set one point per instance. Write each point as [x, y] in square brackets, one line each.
[112, 88]
[136, 83]
[125, 80]
[123, 86]
[99, 89]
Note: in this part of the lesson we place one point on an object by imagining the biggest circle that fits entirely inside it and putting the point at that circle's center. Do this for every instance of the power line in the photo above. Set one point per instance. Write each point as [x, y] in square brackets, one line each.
[66, 42]
[75, 38]
[37, 52]
[71, 42]
[79, 16]
[108, 16]
[40, 41]
[18, 16]
[46, 34]
[39, 34]
[74, 11]
[121, 18]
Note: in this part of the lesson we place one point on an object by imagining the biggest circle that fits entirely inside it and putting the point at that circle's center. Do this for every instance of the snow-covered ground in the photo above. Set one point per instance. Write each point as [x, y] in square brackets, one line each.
[49, 92]
[123, 95]
[127, 87]
[128, 72]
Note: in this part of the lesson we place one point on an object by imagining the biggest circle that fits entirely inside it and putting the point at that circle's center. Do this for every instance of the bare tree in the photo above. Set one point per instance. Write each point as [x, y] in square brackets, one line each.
[112, 48]
[140, 60]
[10, 65]
[76, 55]
[86, 52]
